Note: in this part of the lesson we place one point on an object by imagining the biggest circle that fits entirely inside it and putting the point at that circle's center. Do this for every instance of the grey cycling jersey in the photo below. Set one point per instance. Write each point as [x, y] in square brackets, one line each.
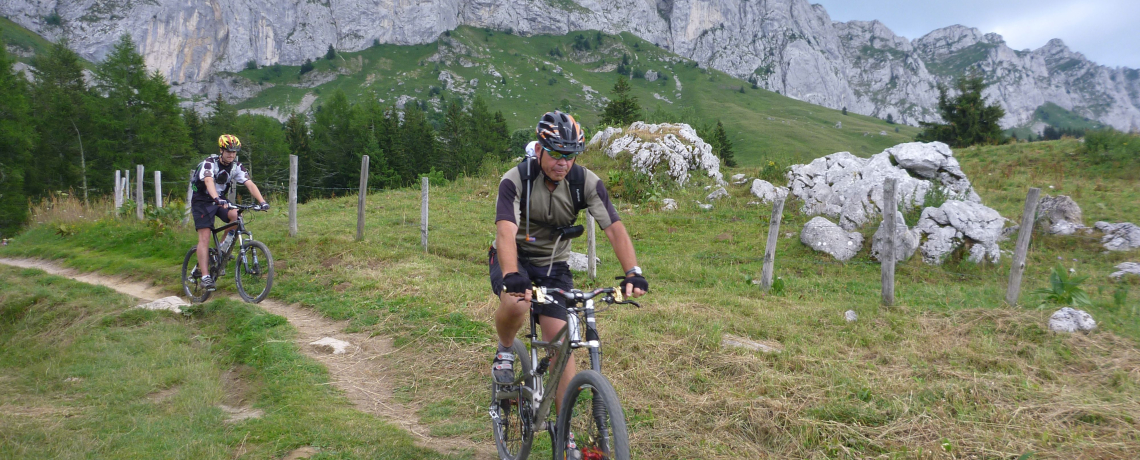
[549, 210]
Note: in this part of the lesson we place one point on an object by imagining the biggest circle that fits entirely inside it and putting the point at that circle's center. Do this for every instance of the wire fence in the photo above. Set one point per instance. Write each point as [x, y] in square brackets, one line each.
[828, 234]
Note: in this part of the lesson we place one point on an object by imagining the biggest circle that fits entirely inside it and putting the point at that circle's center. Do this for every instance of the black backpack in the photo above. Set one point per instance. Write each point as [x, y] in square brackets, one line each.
[576, 180]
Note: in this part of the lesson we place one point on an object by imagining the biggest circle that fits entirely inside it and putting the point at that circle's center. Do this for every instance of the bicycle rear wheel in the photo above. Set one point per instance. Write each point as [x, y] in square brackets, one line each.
[254, 271]
[591, 413]
[192, 278]
[512, 416]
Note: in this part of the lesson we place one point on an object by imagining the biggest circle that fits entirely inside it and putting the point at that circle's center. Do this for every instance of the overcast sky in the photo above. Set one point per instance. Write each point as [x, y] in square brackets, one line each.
[1105, 31]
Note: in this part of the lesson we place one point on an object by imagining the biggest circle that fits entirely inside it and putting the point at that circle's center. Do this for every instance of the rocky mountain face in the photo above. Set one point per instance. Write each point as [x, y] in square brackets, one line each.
[788, 46]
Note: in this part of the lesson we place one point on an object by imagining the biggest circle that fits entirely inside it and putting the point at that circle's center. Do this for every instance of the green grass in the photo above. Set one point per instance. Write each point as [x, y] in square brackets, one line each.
[949, 371]
[85, 376]
[762, 125]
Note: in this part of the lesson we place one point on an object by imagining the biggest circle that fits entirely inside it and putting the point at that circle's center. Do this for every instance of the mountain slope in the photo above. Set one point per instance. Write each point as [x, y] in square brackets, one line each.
[788, 46]
[520, 77]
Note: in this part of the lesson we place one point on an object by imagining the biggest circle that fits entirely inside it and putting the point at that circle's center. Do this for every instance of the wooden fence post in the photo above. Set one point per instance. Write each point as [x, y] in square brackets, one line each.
[887, 256]
[292, 195]
[424, 213]
[1028, 218]
[139, 192]
[189, 196]
[126, 185]
[158, 189]
[118, 190]
[770, 247]
[360, 201]
[591, 246]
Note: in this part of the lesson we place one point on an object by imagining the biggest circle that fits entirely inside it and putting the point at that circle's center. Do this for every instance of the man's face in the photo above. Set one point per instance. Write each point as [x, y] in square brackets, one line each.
[556, 170]
[228, 156]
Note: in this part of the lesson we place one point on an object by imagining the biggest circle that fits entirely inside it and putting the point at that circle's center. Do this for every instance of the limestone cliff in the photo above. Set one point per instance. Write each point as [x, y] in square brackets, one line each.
[788, 46]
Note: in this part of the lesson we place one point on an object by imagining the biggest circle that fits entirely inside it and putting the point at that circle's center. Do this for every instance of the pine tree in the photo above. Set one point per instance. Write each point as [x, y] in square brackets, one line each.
[458, 151]
[622, 108]
[969, 120]
[297, 137]
[420, 143]
[722, 145]
[331, 53]
[17, 137]
[61, 106]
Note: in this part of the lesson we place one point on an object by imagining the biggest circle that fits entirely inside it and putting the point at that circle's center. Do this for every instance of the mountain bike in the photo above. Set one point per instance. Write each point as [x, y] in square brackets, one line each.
[253, 270]
[590, 414]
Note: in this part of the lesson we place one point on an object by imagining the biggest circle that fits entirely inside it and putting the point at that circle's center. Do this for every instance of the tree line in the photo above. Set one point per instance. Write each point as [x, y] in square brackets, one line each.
[69, 128]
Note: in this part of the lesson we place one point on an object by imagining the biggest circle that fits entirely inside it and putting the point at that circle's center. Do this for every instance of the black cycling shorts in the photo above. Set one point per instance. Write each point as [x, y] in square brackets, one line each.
[560, 277]
[204, 213]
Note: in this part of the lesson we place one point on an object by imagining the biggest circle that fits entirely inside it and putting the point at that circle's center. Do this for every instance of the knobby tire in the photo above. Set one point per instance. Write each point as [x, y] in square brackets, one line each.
[591, 411]
[192, 279]
[254, 269]
[512, 430]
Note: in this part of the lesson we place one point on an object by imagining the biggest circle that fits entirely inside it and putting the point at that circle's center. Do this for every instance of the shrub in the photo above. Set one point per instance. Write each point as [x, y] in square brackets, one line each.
[632, 186]
[1110, 144]
[774, 172]
[53, 19]
[307, 66]
[251, 65]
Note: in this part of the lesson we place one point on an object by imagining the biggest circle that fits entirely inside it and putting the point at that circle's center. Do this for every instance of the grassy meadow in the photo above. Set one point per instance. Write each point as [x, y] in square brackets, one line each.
[949, 372]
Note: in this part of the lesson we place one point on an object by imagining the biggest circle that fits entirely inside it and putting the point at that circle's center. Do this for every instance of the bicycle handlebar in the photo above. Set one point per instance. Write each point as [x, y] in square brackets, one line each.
[612, 295]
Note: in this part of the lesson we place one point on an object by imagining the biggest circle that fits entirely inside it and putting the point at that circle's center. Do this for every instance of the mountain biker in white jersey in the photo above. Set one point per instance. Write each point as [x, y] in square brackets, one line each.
[528, 246]
[211, 179]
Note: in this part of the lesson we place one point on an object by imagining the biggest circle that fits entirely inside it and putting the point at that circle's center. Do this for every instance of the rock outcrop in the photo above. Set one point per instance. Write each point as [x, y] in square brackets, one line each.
[671, 149]
[850, 188]
[789, 46]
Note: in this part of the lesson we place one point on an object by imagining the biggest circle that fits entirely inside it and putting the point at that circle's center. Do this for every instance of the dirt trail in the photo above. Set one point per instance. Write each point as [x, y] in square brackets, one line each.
[361, 372]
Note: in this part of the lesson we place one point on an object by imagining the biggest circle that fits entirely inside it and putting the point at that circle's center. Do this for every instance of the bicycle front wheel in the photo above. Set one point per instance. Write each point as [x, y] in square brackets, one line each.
[592, 417]
[192, 278]
[254, 271]
[511, 414]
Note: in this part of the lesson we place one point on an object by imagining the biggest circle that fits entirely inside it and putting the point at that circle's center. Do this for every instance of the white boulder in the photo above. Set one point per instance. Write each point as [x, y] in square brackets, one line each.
[956, 223]
[1126, 268]
[668, 204]
[1071, 320]
[580, 262]
[823, 235]
[1119, 237]
[717, 194]
[768, 193]
[1060, 215]
[172, 303]
[906, 240]
[330, 345]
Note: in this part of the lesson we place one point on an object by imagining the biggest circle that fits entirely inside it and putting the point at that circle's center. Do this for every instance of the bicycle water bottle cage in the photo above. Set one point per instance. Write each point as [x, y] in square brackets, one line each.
[571, 232]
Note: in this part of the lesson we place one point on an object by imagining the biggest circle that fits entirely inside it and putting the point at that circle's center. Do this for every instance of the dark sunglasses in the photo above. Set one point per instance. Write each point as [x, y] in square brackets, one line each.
[560, 155]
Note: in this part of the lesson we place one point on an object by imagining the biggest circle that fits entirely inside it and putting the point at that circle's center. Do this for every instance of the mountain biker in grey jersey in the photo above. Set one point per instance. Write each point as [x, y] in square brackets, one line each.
[211, 179]
[527, 246]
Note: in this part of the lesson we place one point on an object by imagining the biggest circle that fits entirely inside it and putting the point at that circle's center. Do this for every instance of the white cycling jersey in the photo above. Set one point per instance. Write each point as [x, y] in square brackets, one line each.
[223, 176]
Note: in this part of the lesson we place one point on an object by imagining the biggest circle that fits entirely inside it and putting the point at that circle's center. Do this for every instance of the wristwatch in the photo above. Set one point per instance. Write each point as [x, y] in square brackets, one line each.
[633, 271]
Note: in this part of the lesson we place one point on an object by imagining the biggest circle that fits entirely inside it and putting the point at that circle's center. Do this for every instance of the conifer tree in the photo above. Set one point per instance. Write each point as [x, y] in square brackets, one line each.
[622, 108]
[458, 152]
[17, 136]
[61, 106]
[722, 145]
[969, 120]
